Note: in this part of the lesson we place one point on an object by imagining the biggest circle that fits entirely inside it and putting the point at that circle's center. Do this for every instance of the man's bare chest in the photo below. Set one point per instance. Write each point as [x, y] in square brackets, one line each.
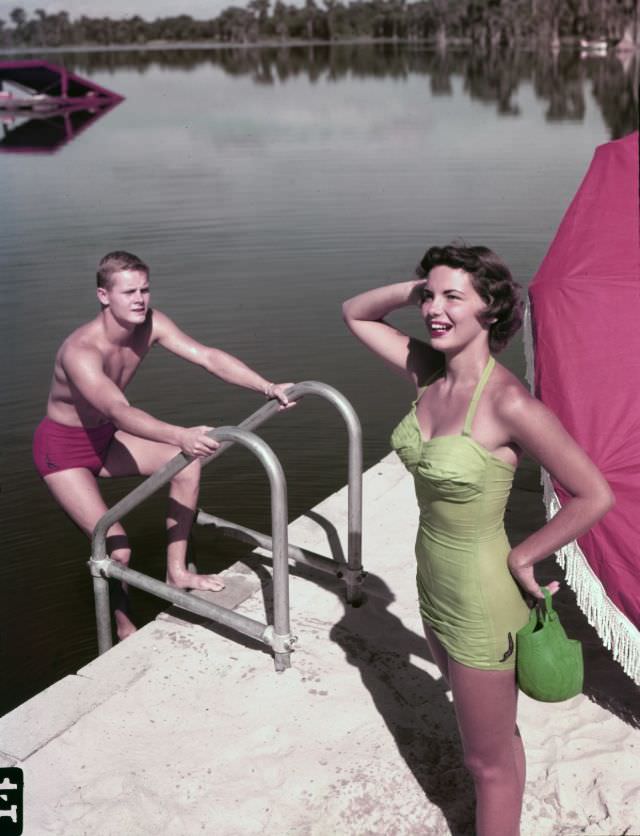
[121, 364]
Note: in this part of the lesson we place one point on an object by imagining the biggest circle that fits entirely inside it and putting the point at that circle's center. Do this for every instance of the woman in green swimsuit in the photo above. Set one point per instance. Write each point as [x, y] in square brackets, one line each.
[462, 441]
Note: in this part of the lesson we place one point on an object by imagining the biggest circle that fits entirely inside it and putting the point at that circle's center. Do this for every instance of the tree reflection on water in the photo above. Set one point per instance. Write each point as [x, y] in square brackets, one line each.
[559, 77]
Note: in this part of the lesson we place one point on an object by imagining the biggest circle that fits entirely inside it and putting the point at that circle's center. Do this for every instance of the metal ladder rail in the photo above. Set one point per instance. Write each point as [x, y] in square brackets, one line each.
[102, 567]
[351, 572]
[256, 538]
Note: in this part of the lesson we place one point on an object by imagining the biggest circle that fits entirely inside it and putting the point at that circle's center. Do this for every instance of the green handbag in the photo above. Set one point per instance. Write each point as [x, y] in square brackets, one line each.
[549, 666]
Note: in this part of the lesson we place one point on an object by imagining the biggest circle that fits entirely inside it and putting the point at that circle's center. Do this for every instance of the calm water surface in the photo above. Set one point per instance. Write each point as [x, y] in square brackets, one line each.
[263, 187]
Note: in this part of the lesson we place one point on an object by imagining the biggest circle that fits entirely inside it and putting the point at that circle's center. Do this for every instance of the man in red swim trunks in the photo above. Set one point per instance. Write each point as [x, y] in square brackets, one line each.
[91, 429]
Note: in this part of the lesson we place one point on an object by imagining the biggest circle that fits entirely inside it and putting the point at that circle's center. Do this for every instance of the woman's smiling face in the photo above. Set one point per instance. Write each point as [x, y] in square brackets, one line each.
[452, 310]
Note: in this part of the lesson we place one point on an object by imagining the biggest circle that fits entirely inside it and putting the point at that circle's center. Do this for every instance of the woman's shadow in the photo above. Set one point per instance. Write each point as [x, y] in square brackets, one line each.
[413, 703]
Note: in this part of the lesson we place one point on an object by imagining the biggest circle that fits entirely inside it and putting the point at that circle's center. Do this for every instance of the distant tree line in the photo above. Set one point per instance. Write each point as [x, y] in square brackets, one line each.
[480, 22]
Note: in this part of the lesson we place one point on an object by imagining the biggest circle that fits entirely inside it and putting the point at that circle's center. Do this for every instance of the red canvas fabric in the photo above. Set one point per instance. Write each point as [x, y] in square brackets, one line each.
[585, 304]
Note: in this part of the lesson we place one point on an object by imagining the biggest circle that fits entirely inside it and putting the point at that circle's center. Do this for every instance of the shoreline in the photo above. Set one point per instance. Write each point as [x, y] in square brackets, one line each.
[152, 46]
[288, 43]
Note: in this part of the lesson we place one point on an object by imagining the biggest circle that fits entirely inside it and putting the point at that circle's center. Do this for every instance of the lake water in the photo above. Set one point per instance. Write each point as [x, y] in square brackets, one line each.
[263, 187]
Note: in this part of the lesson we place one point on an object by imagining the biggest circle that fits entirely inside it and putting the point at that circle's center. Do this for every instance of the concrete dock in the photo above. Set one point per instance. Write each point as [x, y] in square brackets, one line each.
[185, 728]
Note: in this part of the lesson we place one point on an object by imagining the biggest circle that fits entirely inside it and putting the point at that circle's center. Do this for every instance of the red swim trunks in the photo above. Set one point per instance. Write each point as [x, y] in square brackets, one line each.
[59, 447]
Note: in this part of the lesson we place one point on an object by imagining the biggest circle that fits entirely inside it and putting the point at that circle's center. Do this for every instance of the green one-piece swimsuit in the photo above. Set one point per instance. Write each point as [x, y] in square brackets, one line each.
[467, 594]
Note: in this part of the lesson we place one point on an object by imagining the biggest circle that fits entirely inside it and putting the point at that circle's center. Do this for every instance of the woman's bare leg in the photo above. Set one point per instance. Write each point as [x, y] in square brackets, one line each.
[485, 702]
[438, 652]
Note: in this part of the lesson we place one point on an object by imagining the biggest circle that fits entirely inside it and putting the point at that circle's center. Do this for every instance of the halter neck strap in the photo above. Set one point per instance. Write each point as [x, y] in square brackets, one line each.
[468, 421]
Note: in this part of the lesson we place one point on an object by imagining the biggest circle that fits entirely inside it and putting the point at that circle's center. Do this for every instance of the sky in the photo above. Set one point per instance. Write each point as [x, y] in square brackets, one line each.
[147, 9]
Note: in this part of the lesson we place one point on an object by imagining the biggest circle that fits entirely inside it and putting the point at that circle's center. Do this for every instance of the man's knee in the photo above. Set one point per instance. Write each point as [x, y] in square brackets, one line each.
[122, 556]
[190, 476]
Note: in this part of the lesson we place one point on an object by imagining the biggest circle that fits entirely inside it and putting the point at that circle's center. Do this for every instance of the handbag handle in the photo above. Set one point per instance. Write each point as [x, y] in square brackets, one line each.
[545, 608]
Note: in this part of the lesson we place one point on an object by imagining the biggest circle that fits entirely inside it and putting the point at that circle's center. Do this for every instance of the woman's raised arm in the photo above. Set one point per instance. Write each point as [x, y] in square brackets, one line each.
[364, 315]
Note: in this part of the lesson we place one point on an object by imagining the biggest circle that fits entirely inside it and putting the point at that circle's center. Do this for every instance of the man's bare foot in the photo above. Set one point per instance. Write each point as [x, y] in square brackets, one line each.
[191, 580]
[124, 626]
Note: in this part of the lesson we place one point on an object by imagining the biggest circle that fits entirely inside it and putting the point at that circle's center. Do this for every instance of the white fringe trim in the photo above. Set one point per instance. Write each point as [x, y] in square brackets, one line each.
[618, 634]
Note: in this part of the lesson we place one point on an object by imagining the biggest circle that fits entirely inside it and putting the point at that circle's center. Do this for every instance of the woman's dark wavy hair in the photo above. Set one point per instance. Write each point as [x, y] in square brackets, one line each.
[492, 281]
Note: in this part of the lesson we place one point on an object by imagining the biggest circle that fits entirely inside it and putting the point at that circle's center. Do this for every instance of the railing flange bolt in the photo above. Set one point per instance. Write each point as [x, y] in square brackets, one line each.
[99, 568]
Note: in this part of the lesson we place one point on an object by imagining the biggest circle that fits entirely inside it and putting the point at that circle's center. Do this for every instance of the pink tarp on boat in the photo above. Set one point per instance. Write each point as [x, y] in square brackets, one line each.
[585, 305]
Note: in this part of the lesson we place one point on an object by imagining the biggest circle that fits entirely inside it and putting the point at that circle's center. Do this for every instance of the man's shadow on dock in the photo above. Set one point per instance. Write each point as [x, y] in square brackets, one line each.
[413, 704]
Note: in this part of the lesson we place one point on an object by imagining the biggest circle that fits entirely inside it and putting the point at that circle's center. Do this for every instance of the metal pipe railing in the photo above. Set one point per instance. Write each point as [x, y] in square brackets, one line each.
[102, 567]
[278, 636]
[256, 538]
[352, 573]
[191, 603]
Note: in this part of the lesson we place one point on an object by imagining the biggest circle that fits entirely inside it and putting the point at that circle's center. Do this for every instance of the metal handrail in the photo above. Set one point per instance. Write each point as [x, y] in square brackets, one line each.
[279, 638]
[351, 573]
[102, 567]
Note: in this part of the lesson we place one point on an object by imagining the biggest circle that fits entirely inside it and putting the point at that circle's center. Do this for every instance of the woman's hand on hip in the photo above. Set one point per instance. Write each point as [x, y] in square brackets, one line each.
[525, 578]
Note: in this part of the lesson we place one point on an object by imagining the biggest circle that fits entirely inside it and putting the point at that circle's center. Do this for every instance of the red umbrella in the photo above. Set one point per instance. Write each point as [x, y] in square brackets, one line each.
[585, 306]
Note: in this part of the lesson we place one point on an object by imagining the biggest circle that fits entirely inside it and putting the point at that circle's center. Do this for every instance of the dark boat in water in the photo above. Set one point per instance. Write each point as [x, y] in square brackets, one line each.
[38, 85]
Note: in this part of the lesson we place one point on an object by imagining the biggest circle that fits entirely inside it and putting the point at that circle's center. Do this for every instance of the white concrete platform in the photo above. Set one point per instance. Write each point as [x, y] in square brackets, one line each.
[187, 729]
